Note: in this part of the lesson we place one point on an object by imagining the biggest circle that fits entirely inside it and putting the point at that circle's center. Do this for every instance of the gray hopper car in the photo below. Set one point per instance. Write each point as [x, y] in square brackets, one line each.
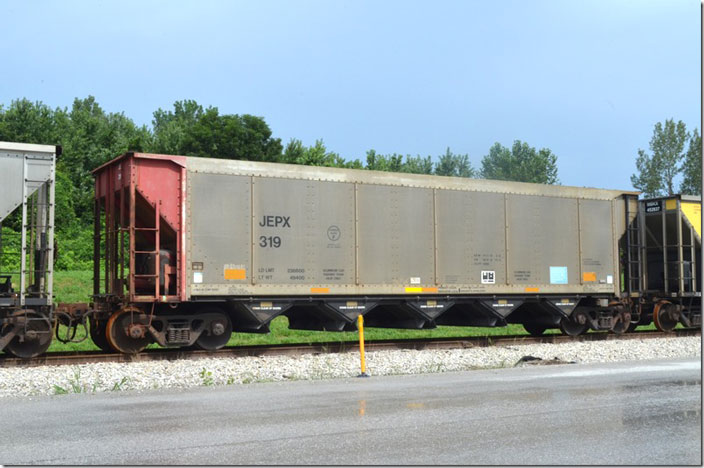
[27, 180]
[216, 245]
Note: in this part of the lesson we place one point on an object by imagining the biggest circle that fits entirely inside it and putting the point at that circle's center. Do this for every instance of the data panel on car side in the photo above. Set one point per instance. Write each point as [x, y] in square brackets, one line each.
[303, 232]
[543, 240]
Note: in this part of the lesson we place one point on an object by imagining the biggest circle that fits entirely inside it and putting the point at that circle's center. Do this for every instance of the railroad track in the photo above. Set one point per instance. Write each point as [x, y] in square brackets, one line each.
[85, 357]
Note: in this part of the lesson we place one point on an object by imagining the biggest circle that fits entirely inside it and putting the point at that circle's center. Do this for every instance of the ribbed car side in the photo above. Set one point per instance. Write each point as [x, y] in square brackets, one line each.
[322, 246]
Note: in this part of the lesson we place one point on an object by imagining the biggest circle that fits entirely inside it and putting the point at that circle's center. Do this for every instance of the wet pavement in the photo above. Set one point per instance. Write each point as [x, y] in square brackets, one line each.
[646, 412]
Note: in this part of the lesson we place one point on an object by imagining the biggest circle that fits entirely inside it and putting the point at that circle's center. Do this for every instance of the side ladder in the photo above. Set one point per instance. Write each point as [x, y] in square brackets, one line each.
[634, 274]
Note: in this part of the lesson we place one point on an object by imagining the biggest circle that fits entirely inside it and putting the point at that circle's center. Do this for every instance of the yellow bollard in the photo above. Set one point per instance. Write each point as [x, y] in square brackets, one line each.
[360, 327]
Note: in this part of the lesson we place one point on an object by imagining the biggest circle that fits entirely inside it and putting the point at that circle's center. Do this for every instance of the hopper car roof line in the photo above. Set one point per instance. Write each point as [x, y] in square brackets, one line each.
[172, 157]
[30, 147]
[363, 176]
[681, 196]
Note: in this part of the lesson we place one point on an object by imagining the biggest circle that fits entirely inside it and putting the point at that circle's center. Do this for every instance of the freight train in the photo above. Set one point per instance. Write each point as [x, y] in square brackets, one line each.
[188, 250]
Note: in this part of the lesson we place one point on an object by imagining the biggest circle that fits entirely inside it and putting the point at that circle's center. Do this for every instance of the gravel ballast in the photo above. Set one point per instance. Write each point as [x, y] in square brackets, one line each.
[105, 377]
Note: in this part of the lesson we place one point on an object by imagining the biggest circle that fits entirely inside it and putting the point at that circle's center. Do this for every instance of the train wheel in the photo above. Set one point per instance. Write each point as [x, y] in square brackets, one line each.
[620, 327]
[533, 329]
[36, 336]
[216, 334]
[98, 335]
[126, 332]
[665, 316]
[571, 327]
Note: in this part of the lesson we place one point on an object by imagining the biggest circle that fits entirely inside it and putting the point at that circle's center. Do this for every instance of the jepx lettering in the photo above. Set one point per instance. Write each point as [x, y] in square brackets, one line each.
[275, 221]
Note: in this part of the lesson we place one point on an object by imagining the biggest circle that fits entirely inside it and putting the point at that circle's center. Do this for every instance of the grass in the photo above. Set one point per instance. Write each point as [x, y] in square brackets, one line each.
[280, 333]
[73, 286]
[69, 286]
[77, 286]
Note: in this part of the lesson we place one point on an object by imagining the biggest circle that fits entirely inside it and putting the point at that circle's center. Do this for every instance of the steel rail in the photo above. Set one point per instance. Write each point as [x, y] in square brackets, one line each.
[86, 357]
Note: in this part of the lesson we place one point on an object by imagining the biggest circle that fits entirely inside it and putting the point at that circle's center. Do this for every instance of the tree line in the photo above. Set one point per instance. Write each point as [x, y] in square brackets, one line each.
[90, 137]
[675, 152]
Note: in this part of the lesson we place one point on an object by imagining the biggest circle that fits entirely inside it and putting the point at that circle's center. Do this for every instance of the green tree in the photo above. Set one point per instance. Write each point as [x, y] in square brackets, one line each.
[692, 166]
[29, 122]
[354, 164]
[380, 162]
[193, 131]
[91, 137]
[458, 165]
[656, 172]
[417, 165]
[294, 151]
[521, 163]
[316, 155]
[170, 127]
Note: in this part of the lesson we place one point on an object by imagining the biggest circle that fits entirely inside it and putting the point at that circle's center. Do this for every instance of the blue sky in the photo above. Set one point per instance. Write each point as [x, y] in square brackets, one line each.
[587, 79]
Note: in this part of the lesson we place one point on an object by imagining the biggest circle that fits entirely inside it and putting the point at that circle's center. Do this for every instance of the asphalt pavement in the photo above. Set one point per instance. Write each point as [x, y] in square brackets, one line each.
[645, 412]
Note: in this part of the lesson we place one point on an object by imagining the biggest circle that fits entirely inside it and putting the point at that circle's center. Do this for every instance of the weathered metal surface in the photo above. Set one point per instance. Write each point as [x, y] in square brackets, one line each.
[273, 229]
[27, 180]
[471, 238]
[73, 309]
[292, 171]
[395, 236]
[23, 165]
[596, 245]
[543, 242]
[219, 230]
[303, 232]
[393, 233]
[143, 201]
